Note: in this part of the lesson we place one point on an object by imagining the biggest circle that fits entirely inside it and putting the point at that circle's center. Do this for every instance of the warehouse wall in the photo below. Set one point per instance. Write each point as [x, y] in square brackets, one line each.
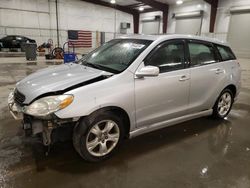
[185, 7]
[36, 18]
[223, 16]
[222, 20]
[234, 28]
[149, 15]
[189, 7]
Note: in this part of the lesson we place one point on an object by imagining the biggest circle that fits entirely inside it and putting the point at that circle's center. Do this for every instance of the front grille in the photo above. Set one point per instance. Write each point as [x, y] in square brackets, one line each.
[19, 98]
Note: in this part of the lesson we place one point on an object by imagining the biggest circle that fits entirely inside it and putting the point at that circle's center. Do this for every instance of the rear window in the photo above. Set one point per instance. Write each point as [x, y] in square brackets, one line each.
[226, 53]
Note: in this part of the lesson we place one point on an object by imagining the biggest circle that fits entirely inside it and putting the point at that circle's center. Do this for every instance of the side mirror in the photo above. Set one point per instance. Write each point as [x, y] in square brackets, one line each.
[148, 71]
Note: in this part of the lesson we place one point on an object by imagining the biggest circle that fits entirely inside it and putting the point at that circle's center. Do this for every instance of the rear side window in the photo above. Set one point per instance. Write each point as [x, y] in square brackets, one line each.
[201, 54]
[225, 53]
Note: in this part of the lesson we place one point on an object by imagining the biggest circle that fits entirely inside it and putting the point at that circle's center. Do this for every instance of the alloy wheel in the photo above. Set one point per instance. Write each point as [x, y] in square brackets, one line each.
[224, 104]
[102, 138]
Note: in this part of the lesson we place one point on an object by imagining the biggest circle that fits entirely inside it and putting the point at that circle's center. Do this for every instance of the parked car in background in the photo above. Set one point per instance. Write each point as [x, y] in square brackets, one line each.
[14, 41]
[127, 87]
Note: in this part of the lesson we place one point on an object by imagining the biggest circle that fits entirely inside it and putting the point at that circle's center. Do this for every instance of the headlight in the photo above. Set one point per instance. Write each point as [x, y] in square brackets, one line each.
[48, 105]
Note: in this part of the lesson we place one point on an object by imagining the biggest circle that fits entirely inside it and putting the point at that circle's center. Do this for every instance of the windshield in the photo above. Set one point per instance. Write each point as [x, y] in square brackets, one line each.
[116, 55]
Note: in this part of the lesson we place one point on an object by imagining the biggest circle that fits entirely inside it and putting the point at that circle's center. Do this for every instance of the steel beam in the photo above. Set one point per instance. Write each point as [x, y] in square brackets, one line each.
[136, 18]
[214, 6]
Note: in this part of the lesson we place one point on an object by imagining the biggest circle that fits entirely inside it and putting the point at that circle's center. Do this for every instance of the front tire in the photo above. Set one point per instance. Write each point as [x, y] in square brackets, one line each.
[97, 137]
[223, 104]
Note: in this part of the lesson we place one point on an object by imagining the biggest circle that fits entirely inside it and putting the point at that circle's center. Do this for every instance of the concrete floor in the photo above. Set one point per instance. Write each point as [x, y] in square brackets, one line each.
[198, 153]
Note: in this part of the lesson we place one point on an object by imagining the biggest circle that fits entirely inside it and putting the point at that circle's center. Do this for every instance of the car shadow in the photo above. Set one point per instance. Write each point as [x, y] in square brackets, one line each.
[62, 156]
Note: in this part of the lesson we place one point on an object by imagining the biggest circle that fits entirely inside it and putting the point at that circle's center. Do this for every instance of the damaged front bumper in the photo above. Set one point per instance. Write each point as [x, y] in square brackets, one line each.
[15, 110]
[51, 127]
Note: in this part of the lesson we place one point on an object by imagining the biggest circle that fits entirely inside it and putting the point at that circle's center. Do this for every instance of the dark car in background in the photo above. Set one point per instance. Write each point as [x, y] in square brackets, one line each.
[14, 41]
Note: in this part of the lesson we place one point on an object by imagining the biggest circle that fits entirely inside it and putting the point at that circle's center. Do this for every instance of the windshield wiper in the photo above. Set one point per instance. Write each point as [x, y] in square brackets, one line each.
[91, 65]
[100, 67]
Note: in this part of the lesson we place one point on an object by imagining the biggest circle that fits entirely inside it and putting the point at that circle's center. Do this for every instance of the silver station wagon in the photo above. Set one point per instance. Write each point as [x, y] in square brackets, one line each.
[127, 87]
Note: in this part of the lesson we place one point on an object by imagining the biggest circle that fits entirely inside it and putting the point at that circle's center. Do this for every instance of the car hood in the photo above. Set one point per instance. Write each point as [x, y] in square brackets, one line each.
[57, 78]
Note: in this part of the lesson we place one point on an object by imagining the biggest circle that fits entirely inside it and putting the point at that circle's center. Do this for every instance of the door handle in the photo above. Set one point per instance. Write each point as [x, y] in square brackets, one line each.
[219, 71]
[183, 78]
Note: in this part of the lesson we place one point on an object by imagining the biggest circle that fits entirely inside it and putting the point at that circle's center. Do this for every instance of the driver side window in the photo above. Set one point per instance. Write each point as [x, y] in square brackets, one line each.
[168, 57]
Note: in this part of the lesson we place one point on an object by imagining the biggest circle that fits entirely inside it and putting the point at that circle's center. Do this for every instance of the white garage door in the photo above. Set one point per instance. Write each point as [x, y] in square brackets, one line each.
[150, 27]
[239, 34]
[188, 26]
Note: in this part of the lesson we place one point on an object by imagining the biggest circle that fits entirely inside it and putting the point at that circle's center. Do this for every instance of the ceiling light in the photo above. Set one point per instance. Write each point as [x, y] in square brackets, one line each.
[179, 2]
[141, 8]
[112, 2]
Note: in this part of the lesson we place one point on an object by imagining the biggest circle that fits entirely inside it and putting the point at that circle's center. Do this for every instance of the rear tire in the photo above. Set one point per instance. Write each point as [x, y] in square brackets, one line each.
[223, 104]
[97, 137]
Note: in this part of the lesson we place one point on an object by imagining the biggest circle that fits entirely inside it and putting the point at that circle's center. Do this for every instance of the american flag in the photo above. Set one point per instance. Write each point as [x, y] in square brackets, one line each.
[80, 39]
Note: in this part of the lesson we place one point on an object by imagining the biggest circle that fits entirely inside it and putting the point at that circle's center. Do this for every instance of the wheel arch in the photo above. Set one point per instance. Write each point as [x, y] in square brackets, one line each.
[120, 112]
[232, 88]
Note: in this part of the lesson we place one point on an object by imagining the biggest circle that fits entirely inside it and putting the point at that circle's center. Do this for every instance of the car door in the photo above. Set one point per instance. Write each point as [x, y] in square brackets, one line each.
[11, 40]
[207, 75]
[165, 96]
